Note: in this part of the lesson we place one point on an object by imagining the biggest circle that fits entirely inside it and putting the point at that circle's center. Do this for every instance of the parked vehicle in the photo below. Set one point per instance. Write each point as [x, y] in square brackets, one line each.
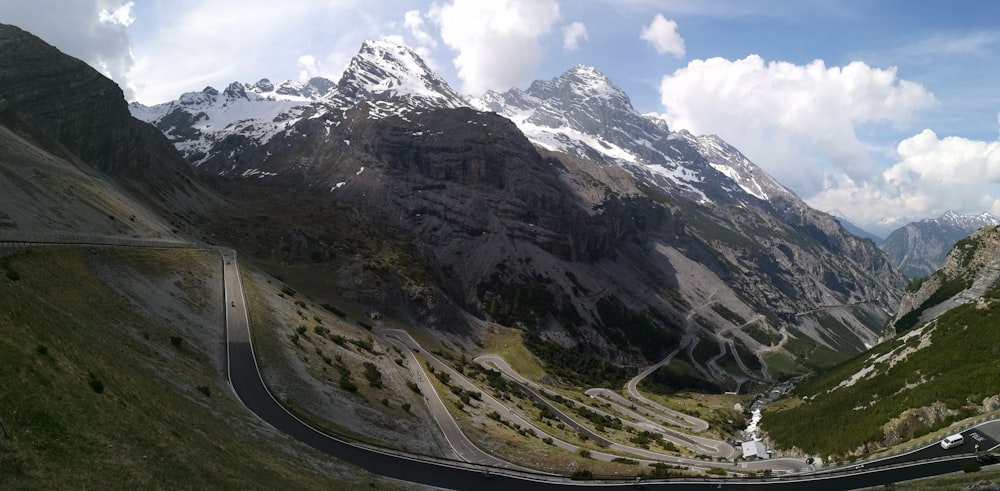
[987, 459]
[951, 441]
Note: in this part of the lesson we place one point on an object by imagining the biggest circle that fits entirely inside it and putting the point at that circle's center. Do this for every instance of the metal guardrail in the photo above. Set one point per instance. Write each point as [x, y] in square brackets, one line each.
[9, 238]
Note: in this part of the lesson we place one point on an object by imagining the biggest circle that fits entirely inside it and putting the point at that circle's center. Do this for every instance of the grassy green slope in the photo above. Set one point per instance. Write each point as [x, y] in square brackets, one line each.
[959, 370]
[106, 386]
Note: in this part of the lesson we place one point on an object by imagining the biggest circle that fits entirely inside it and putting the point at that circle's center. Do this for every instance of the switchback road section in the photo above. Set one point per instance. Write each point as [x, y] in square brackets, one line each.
[249, 387]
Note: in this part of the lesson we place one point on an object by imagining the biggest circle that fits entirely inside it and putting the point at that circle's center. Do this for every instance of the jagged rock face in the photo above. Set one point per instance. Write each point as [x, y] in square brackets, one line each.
[971, 268]
[383, 69]
[919, 248]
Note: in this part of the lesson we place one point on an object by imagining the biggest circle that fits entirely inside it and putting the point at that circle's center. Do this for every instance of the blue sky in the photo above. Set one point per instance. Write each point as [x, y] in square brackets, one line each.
[882, 111]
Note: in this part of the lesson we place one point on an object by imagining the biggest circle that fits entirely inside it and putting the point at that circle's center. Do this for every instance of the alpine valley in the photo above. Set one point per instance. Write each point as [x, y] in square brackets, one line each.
[508, 254]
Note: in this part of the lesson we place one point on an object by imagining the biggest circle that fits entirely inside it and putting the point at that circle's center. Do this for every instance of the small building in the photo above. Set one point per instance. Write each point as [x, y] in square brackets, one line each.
[754, 449]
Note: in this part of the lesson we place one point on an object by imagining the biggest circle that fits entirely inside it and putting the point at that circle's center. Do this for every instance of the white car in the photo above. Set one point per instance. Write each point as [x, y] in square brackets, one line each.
[952, 441]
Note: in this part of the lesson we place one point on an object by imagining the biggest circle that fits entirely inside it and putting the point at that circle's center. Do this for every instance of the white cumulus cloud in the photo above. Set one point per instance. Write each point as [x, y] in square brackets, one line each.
[193, 43]
[413, 21]
[122, 15]
[572, 34]
[498, 42]
[931, 175]
[798, 122]
[662, 34]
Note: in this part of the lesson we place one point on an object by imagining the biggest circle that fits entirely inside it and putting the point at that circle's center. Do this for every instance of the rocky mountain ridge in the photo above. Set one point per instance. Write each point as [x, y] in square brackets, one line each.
[559, 208]
[919, 248]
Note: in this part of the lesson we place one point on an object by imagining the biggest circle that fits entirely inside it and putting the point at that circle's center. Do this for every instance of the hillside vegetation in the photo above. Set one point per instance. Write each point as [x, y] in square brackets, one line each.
[113, 377]
[943, 371]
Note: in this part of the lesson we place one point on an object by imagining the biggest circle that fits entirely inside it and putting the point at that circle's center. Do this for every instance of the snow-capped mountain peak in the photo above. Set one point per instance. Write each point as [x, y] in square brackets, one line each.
[959, 220]
[384, 69]
[315, 89]
[581, 112]
[582, 81]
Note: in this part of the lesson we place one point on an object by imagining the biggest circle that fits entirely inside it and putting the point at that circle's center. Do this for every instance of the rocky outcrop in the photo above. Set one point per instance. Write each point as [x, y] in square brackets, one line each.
[970, 270]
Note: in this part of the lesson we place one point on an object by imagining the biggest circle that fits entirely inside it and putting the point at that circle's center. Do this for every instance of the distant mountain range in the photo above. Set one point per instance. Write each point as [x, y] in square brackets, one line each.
[919, 248]
[558, 208]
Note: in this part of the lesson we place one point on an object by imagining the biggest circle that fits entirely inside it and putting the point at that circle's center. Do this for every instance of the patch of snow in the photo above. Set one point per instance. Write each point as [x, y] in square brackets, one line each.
[893, 356]
[751, 187]
[257, 172]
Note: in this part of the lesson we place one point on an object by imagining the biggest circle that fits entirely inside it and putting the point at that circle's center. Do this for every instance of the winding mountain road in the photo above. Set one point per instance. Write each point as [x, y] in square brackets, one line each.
[249, 388]
[691, 422]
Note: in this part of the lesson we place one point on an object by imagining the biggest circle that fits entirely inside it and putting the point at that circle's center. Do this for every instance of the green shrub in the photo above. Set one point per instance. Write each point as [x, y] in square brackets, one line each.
[413, 386]
[176, 341]
[373, 376]
[626, 461]
[444, 377]
[96, 385]
[347, 384]
[335, 310]
[913, 285]
[366, 344]
[660, 470]
[204, 389]
[42, 350]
